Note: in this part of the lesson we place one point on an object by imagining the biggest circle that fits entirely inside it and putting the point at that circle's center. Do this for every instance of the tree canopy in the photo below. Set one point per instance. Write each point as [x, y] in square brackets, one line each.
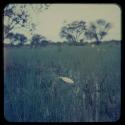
[72, 32]
[38, 40]
[17, 15]
[97, 30]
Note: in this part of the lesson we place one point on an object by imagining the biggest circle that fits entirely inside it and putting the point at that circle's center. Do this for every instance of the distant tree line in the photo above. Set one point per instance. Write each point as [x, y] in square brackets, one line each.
[77, 31]
[74, 33]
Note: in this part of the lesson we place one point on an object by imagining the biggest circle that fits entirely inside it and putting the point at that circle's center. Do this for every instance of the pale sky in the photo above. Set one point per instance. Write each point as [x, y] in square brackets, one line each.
[50, 21]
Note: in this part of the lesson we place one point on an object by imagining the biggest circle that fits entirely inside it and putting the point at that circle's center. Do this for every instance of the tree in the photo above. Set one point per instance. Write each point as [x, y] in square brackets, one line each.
[17, 39]
[37, 40]
[13, 18]
[20, 38]
[17, 15]
[98, 30]
[45, 42]
[73, 32]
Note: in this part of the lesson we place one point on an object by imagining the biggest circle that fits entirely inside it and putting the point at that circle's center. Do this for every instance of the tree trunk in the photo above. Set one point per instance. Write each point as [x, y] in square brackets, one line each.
[97, 39]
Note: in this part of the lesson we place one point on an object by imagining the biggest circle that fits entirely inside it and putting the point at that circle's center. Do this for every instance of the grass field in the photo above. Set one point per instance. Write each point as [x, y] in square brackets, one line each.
[34, 93]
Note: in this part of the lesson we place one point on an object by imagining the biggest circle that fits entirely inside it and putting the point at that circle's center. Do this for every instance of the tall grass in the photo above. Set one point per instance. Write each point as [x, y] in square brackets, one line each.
[33, 92]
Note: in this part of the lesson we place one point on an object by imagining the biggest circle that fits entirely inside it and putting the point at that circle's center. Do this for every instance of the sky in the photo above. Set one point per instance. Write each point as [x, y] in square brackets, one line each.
[50, 21]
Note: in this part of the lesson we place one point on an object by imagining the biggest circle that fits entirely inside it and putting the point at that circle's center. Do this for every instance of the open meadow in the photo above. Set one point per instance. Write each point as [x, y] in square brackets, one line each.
[33, 91]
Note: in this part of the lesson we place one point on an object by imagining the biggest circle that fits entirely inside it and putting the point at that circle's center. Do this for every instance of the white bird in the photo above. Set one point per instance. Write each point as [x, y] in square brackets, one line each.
[66, 79]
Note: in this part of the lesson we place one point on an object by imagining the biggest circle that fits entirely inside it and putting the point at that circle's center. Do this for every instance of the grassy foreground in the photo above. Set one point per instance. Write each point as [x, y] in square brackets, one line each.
[33, 92]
